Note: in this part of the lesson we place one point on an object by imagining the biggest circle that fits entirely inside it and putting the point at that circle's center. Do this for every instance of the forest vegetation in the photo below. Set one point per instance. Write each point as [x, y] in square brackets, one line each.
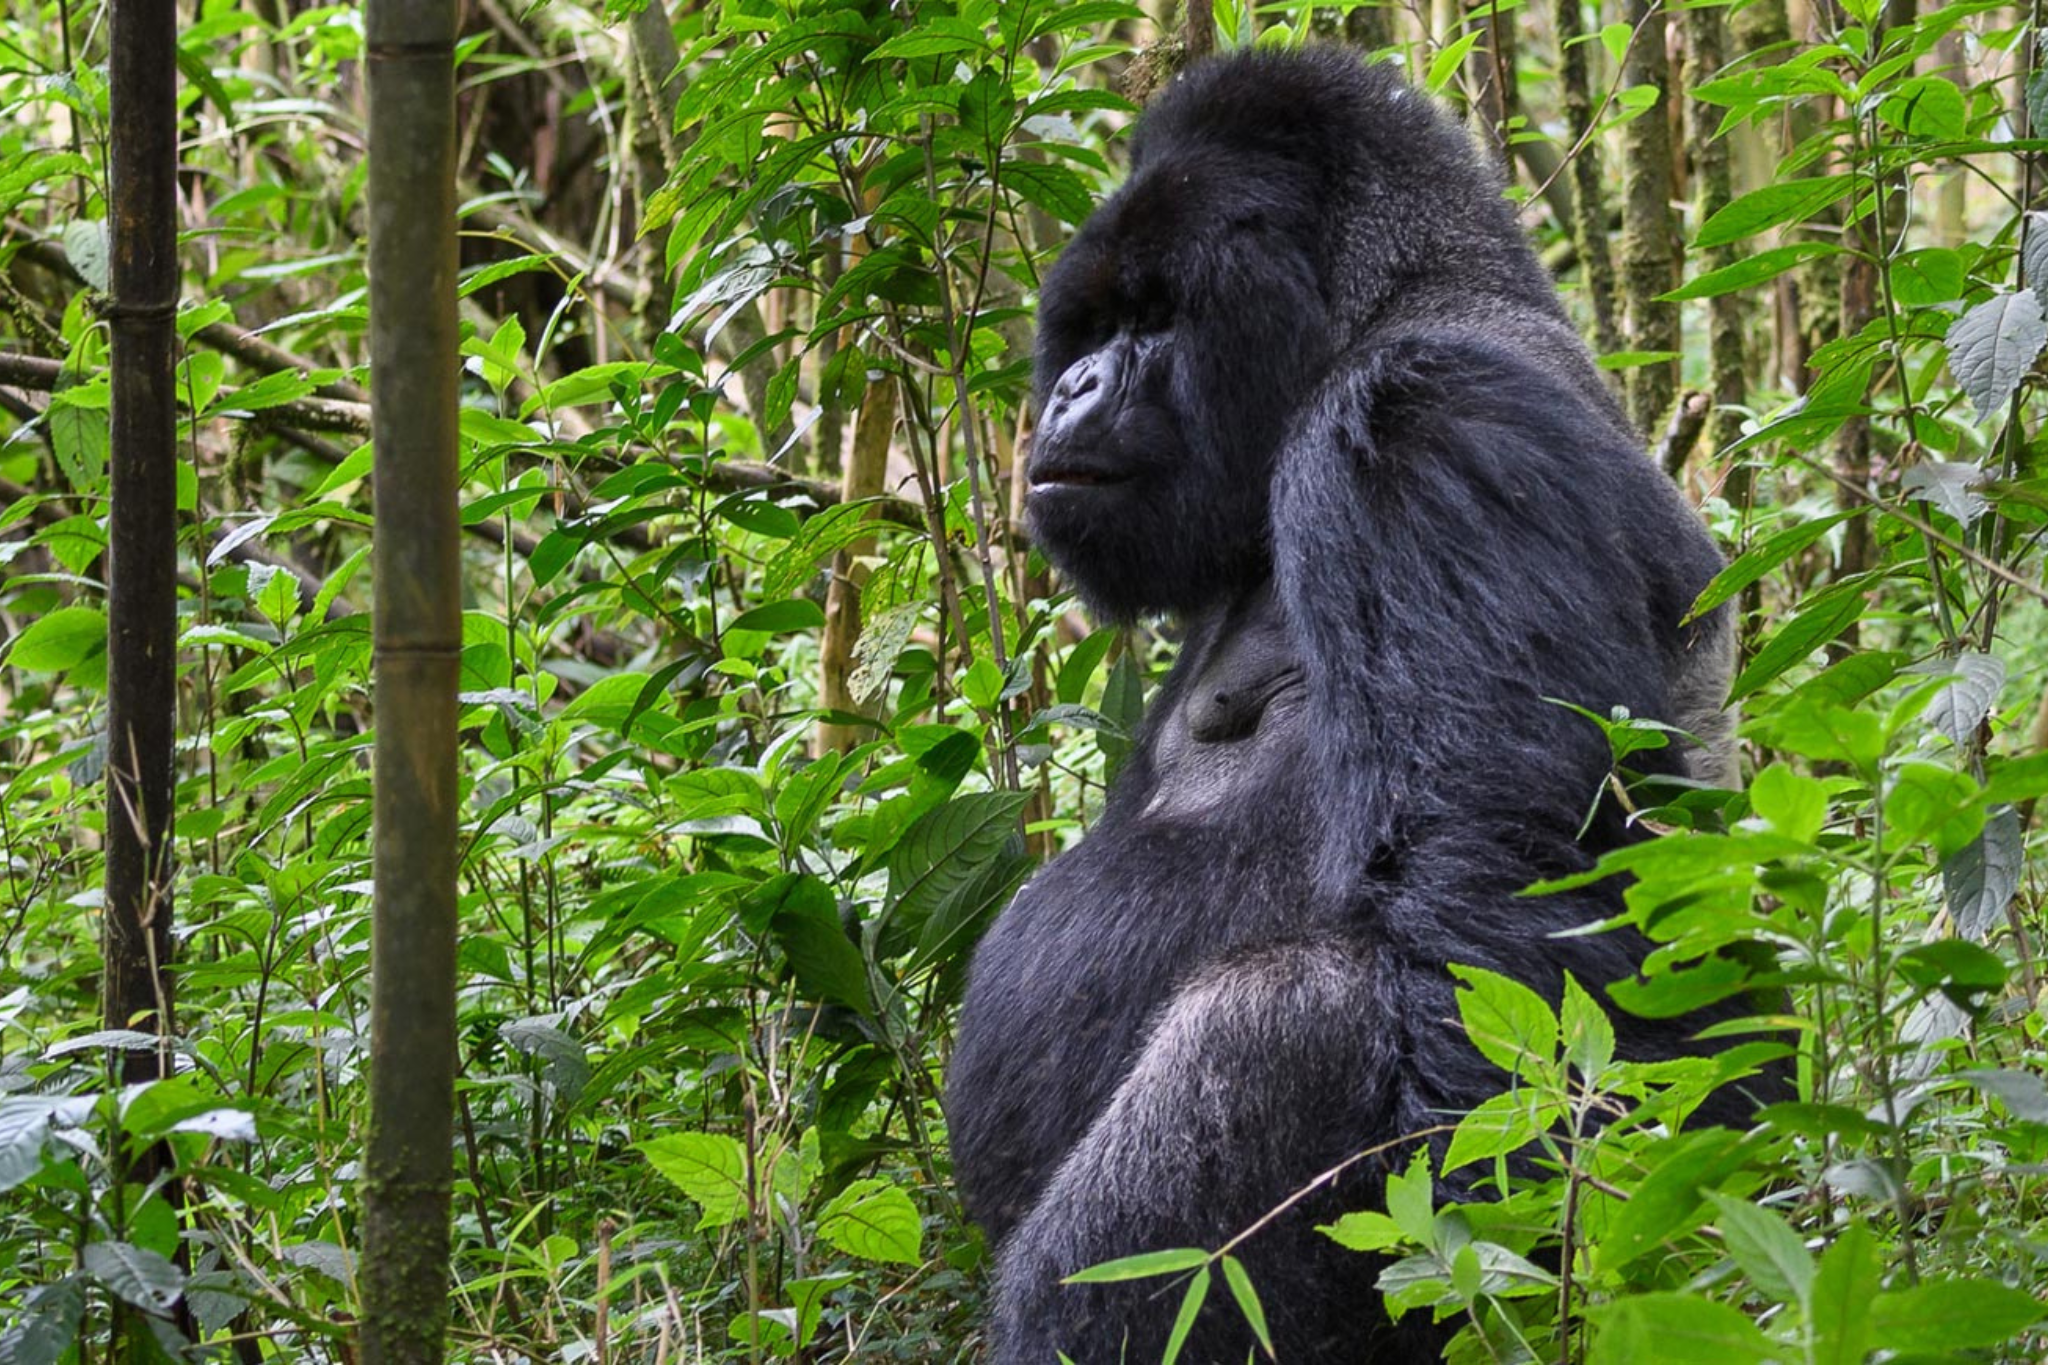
[765, 706]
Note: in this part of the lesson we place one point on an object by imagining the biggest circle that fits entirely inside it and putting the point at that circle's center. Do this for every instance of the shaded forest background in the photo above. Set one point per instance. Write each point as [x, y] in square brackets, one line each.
[767, 707]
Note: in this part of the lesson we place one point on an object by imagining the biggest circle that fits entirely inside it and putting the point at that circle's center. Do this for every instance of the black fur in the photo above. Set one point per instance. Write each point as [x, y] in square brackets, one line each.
[1306, 387]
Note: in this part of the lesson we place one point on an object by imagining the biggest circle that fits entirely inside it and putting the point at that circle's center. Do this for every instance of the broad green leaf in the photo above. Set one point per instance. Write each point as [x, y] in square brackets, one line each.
[1411, 1199]
[825, 961]
[1943, 1316]
[60, 640]
[1795, 805]
[2021, 1092]
[778, 618]
[1934, 802]
[1676, 1329]
[1770, 1253]
[1365, 1230]
[874, 1220]
[1510, 1024]
[941, 852]
[135, 1275]
[1588, 1033]
[1980, 879]
[1920, 278]
[1668, 1199]
[1752, 270]
[711, 1168]
[1498, 1125]
[1847, 1282]
[1991, 348]
[1784, 201]
[1051, 187]
[1926, 106]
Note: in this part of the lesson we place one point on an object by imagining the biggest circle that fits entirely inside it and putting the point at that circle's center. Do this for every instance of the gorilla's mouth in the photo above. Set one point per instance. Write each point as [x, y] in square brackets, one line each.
[1071, 477]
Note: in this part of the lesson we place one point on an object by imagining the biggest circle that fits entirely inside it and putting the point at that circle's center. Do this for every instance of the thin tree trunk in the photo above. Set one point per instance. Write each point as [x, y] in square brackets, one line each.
[142, 587]
[1589, 191]
[1649, 240]
[1713, 189]
[414, 366]
[866, 470]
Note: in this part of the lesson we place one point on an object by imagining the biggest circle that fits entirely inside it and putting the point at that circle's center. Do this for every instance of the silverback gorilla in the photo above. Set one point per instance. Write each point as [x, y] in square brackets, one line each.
[1304, 387]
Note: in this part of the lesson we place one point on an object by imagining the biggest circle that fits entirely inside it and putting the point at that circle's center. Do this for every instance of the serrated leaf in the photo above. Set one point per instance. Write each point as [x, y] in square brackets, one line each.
[711, 1168]
[86, 247]
[1950, 487]
[2022, 1092]
[1991, 348]
[1510, 1024]
[1501, 1124]
[135, 1275]
[47, 1328]
[2034, 251]
[874, 1220]
[1959, 708]
[1980, 879]
[1051, 187]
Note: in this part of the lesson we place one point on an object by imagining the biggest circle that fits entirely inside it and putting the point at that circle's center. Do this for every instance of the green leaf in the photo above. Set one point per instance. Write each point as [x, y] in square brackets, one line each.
[1979, 880]
[1795, 805]
[1922, 278]
[1248, 1301]
[1840, 1316]
[1991, 348]
[1588, 1033]
[1762, 557]
[1411, 1200]
[1666, 1201]
[63, 639]
[1934, 802]
[1676, 1329]
[1770, 1253]
[825, 961]
[1144, 1266]
[875, 1221]
[1785, 201]
[1974, 684]
[1365, 1230]
[46, 1330]
[1752, 270]
[1510, 1024]
[1184, 1321]
[932, 36]
[1503, 1123]
[1051, 187]
[779, 618]
[1943, 1316]
[1826, 615]
[941, 852]
[135, 1275]
[711, 1168]
[1927, 106]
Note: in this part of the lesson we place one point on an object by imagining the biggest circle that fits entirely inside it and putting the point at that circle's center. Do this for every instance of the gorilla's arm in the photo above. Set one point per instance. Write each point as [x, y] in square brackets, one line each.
[1457, 536]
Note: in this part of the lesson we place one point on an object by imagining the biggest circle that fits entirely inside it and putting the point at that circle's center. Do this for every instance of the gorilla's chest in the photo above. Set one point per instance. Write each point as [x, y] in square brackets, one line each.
[1207, 851]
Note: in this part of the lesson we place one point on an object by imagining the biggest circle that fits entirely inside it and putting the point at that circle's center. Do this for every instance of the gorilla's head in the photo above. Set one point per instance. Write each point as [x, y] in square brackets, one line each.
[1273, 206]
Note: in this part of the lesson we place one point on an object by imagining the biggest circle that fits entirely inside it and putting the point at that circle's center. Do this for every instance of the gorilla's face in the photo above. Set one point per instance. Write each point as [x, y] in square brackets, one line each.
[1176, 335]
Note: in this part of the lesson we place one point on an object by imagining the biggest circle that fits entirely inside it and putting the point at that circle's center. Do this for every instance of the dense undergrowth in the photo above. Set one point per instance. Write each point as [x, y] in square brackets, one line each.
[746, 334]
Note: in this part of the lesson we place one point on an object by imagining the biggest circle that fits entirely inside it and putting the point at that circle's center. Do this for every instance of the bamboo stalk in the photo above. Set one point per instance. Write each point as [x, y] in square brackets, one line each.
[408, 1168]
